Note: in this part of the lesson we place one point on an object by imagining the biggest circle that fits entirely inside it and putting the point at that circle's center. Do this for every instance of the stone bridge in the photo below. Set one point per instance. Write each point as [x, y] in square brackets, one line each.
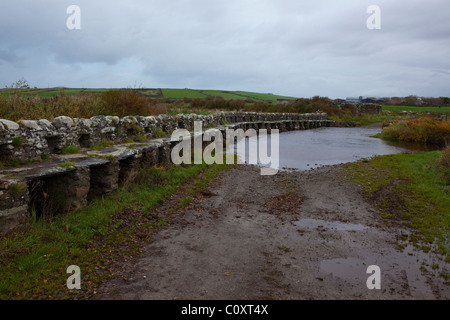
[48, 180]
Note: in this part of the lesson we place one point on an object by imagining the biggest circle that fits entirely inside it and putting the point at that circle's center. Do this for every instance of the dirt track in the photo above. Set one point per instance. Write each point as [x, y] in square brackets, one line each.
[242, 241]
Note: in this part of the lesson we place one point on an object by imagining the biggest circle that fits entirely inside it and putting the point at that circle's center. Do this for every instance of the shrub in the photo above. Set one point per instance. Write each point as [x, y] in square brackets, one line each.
[159, 108]
[17, 189]
[198, 103]
[139, 138]
[422, 130]
[160, 133]
[125, 102]
[129, 102]
[17, 142]
[218, 103]
[16, 106]
[70, 149]
[105, 143]
[45, 156]
[259, 107]
[236, 104]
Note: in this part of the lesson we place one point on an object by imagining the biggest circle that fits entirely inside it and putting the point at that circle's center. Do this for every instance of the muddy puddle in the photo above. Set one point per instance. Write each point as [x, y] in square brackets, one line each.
[399, 268]
[333, 225]
[352, 247]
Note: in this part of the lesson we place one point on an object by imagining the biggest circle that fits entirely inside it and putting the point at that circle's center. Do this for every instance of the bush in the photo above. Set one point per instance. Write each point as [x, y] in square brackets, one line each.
[258, 107]
[119, 102]
[125, 102]
[236, 104]
[198, 103]
[218, 103]
[422, 130]
[159, 108]
[16, 107]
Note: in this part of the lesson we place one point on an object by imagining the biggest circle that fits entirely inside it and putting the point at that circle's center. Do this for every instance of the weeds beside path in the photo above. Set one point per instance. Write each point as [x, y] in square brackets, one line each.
[109, 232]
[410, 190]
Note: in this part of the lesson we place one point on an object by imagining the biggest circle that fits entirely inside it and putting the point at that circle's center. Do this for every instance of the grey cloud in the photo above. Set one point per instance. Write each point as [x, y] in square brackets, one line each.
[292, 47]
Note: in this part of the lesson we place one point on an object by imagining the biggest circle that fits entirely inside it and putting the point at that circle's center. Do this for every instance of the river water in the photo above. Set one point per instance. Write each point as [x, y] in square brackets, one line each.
[308, 149]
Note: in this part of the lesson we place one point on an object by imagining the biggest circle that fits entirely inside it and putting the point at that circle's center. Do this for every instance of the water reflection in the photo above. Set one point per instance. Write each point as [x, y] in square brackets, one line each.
[307, 149]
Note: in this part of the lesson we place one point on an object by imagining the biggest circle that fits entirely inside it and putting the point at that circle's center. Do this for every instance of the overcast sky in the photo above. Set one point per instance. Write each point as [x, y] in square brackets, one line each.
[299, 48]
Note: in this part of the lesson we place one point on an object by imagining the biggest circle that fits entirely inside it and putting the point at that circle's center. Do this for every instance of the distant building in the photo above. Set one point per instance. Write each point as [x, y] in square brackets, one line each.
[353, 99]
[361, 99]
[369, 100]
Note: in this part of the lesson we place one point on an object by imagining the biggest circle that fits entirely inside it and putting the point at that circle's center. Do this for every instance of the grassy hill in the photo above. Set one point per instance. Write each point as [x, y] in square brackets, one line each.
[235, 95]
[156, 93]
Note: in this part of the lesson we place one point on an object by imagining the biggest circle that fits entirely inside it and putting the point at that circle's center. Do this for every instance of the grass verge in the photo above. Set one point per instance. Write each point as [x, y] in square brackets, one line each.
[416, 108]
[409, 190]
[110, 231]
[366, 119]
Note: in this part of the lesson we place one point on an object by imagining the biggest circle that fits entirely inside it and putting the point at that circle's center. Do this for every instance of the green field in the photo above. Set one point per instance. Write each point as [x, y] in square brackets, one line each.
[153, 93]
[263, 96]
[236, 95]
[224, 94]
[416, 109]
[182, 93]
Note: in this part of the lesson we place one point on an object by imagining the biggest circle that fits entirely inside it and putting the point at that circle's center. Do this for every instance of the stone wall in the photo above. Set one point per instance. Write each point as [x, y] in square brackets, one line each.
[66, 182]
[30, 139]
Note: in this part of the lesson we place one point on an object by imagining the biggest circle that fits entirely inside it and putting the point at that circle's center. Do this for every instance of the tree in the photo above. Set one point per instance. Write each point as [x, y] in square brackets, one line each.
[410, 101]
[19, 84]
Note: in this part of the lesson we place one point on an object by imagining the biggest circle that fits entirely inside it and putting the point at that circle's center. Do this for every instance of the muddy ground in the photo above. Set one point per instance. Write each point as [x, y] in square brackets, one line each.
[295, 235]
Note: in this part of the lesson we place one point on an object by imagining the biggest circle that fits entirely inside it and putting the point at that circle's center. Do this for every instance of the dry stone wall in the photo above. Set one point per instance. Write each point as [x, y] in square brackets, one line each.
[66, 182]
[30, 139]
